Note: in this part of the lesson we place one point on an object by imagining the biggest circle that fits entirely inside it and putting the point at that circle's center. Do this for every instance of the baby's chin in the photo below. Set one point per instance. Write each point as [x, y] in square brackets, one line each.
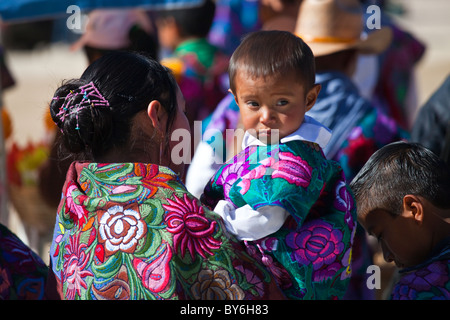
[269, 136]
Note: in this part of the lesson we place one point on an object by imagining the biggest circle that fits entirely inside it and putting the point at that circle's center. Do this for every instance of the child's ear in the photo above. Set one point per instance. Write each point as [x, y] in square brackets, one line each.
[235, 97]
[311, 96]
[413, 207]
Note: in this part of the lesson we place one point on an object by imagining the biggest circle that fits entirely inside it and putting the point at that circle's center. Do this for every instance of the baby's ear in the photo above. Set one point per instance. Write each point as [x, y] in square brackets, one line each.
[413, 207]
[235, 97]
[311, 96]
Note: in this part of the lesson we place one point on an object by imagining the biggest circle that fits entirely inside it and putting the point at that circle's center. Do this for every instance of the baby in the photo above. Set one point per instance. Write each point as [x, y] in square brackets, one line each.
[290, 205]
[402, 196]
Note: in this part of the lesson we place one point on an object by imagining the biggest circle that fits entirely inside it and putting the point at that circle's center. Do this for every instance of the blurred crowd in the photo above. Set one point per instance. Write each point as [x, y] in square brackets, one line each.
[368, 97]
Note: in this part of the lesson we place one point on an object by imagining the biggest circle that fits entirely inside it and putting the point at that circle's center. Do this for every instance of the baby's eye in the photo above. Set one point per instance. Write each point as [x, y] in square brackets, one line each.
[252, 104]
[282, 102]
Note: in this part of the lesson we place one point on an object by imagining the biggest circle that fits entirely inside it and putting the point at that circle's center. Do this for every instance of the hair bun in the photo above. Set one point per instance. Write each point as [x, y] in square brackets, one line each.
[75, 108]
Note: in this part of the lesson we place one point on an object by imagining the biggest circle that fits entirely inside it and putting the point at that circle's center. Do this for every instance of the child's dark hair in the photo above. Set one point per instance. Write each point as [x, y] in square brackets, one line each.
[273, 53]
[129, 82]
[193, 21]
[398, 169]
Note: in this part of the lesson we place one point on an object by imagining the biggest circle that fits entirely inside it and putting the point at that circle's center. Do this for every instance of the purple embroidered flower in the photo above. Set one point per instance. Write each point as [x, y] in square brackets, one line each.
[344, 202]
[416, 283]
[326, 273]
[317, 243]
[235, 170]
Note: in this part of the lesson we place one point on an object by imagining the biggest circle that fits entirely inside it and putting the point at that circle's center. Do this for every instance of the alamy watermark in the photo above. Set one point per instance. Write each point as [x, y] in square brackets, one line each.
[75, 20]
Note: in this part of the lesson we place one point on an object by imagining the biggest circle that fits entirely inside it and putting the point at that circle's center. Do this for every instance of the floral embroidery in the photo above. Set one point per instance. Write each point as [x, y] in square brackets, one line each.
[121, 229]
[216, 285]
[155, 273]
[193, 231]
[118, 287]
[344, 202]
[292, 168]
[252, 278]
[426, 283]
[316, 243]
[78, 212]
[133, 241]
[232, 172]
[75, 261]
[152, 178]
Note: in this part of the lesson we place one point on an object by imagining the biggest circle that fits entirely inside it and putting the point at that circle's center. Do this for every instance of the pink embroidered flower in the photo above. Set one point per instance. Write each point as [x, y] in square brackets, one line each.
[289, 167]
[292, 168]
[191, 229]
[121, 229]
[77, 212]
[75, 261]
[317, 243]
[155, 271]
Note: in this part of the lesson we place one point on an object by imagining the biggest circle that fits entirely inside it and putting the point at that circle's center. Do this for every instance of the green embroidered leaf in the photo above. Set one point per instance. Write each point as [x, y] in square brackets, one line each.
[110, 267]
[186, 269]
[113, 172]
[150, 244]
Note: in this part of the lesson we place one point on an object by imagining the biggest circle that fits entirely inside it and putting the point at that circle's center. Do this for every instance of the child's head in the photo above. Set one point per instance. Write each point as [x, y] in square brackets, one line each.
[402, 198]
[272, 77]
[177, 25]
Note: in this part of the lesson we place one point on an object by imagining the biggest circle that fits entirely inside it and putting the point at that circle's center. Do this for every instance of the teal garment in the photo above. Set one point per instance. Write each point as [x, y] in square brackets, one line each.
[310, 256]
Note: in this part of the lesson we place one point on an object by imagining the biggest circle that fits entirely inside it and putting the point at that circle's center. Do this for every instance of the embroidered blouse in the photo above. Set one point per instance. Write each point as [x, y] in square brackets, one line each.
[132, 231]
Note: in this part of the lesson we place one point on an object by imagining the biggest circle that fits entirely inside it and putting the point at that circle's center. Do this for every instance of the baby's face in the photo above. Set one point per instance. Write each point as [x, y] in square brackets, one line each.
[272, 107]
[401, 238]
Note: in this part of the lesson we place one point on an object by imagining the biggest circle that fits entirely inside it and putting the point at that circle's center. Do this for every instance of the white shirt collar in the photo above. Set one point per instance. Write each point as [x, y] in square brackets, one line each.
[310, 130]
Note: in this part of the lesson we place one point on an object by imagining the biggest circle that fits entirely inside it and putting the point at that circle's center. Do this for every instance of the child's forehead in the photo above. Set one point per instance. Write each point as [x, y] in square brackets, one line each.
[272, 77]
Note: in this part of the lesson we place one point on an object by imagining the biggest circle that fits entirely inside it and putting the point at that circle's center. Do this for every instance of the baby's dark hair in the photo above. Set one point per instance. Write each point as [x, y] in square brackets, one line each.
[193, 21]
[398, 169]
[129, 82]
[273, 53]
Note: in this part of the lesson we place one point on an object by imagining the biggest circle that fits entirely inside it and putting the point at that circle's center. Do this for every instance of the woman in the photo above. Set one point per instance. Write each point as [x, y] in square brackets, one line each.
[126, 227]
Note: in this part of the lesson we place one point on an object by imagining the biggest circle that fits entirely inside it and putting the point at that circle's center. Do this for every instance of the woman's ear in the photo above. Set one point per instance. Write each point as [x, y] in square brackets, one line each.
[311, 96]
[156, 114]
[413, 207]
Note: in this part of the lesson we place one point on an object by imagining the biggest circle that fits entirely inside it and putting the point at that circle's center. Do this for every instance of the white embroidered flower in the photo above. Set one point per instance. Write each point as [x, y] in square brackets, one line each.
[121, 229]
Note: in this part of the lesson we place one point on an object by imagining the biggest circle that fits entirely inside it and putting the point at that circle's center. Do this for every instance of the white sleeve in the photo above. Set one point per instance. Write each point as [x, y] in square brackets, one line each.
[203, 166]
[248, 224]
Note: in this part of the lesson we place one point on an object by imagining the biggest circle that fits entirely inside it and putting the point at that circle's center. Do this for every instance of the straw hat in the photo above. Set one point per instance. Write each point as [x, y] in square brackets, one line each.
[109, 28]
[329, 26]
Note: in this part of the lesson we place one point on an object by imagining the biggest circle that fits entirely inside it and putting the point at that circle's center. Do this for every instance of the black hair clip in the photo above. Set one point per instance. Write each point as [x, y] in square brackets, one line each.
[127, 97]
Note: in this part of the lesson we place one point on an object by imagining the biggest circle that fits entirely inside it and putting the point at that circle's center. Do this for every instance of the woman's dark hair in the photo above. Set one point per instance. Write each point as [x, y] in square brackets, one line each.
[129, 82]
[398, 169]
[273, 53]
